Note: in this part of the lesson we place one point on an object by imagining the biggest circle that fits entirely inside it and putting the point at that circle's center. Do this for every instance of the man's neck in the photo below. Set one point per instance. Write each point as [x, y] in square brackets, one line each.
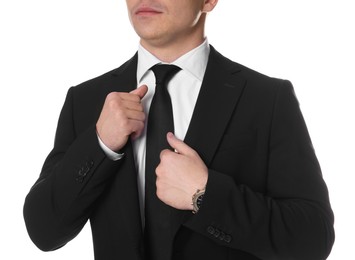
[171, 52]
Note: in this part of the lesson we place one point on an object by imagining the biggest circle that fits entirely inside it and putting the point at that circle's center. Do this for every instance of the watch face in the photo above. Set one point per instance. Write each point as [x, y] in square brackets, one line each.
[199, 201]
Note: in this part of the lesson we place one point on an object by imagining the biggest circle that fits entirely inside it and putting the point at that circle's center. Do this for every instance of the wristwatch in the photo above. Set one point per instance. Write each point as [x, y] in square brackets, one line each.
[197, 199]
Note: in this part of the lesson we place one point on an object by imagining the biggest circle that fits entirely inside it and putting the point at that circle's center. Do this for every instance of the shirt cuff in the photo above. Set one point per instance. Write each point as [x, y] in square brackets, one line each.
[108, 152]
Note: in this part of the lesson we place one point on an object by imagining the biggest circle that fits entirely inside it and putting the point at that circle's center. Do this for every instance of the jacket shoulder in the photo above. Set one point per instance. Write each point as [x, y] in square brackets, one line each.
[254, 78]
[106, 80]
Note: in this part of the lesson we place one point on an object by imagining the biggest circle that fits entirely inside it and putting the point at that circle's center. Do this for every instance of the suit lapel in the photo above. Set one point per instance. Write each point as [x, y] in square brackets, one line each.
[220, 92]
[124, 79]
[221, 89]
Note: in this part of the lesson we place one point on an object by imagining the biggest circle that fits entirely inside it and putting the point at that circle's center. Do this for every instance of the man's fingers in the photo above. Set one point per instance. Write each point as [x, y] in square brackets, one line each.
[137, 130]
[131, 105]
[138, 115]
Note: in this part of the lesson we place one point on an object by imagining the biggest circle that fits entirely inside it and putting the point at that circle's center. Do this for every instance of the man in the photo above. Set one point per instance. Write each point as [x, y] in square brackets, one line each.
[240, 157]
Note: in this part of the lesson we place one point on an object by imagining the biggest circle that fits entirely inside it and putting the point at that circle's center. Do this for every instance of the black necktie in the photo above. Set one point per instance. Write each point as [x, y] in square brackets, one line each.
[158, 240]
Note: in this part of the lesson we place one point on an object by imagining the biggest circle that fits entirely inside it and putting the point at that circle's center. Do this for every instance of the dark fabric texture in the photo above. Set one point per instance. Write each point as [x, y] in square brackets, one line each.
[265, 197]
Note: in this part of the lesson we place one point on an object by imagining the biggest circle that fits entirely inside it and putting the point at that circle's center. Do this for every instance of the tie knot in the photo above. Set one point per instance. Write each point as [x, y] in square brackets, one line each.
[164, 72]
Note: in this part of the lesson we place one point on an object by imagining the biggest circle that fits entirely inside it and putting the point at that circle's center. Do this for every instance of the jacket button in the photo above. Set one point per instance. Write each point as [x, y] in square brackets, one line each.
[83, 171]
[91, 163]
[210, 230]
[222, 236]
[217, 233]
[80, 179]
[227, 238]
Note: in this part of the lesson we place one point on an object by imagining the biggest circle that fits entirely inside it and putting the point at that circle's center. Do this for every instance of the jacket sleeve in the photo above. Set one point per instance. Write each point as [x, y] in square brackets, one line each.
[292, 219]
[72, 178]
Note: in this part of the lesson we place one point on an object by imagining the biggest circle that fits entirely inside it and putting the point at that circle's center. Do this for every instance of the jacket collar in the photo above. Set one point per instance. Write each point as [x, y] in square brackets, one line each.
[220, 92]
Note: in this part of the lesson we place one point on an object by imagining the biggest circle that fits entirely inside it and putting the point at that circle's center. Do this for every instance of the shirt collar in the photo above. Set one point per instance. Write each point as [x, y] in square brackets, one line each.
[193, 62]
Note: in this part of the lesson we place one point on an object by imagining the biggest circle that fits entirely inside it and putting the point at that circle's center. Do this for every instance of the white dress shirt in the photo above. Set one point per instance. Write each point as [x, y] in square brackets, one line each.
[183, 88]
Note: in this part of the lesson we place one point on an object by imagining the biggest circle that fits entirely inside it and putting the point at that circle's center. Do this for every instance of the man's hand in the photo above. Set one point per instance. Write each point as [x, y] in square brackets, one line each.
[179, 174]
[122, 116]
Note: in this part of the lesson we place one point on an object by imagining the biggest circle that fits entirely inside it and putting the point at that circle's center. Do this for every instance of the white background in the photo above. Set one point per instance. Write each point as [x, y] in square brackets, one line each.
[48, 46]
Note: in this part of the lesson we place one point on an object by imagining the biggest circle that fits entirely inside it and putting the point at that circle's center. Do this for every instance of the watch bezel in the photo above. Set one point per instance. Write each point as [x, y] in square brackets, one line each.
[197, 200]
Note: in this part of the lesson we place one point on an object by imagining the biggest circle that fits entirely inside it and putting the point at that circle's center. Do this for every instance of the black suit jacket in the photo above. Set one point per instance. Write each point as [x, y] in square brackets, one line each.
[265, 196]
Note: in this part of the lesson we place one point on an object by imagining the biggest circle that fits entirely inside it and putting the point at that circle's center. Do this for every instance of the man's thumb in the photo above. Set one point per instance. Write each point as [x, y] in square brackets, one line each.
[141, 91]
[178, 145]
